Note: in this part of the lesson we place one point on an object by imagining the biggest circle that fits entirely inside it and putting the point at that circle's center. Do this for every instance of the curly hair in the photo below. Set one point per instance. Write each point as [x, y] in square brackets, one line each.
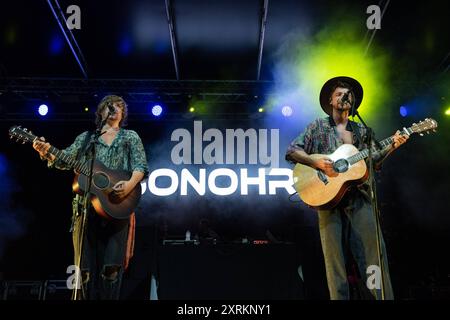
[110, 100]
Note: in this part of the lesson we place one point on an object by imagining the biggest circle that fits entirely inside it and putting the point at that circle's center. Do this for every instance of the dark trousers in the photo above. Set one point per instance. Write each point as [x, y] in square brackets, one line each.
[104, 249]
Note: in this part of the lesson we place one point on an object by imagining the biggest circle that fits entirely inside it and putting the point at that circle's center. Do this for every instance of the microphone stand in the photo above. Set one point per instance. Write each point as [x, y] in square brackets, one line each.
[373, 195]
[90, 153]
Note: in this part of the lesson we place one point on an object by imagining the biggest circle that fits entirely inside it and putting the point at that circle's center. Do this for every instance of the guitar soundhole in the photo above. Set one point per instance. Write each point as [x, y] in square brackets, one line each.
[101, 180]
[340, 165]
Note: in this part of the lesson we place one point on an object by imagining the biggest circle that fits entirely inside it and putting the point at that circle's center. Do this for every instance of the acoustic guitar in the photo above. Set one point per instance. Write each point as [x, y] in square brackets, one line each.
[103, 198]
[321, 191]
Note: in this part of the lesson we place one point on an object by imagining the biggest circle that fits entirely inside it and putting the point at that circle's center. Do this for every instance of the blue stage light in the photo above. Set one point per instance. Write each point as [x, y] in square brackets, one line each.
[287, 111]
[56, 45]
[43, 110]
[403, 111]
[125, 46]
[157, 110]
[3, 164]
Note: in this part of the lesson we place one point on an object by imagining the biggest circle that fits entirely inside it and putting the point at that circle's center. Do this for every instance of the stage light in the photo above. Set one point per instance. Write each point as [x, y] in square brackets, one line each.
[86, 109]
[43, 110]
[56, 45]
[125, 45]
[3, 164]
[198, 105]
[286, 111]
[157, 110]
[325, 56]
[447, 112]
[261, 110]
[403, 111]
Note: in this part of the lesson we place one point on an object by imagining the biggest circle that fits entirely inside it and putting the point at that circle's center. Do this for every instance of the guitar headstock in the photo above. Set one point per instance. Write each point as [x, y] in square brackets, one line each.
[426, 125]
[21, 134]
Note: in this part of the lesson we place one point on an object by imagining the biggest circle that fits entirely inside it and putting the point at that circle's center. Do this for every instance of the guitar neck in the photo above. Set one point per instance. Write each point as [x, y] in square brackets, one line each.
[71, 161]
[383, 143]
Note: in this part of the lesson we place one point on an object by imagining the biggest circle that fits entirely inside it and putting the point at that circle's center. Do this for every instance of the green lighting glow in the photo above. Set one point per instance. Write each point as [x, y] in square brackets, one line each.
[10, 35]
[200, 106]
[339, 50]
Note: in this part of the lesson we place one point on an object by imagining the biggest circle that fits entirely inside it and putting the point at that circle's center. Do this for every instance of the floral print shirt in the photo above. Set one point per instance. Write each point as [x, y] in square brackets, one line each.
[321, 137]
[126, 152]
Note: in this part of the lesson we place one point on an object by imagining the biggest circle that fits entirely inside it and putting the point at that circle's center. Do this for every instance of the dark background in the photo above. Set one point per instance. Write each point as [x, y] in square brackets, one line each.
[124, 45]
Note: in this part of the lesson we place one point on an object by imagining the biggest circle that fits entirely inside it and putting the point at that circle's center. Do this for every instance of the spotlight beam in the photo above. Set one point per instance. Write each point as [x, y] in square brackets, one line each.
[59, 16]
[173, 39]
[261, 36]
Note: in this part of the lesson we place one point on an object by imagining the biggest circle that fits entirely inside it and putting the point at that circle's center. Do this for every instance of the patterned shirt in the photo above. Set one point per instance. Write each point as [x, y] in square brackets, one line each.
[126, 152]
[321, 136]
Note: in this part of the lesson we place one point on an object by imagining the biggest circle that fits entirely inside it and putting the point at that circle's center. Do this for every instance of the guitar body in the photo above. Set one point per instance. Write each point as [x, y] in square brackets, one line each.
[103, 198]
[324, 192]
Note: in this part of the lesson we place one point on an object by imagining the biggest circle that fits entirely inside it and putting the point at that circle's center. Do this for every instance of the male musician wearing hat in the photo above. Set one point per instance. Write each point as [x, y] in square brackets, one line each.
[349, 227]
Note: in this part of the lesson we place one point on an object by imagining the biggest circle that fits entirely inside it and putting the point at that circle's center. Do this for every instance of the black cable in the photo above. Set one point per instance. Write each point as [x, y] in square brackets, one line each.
[290, 198]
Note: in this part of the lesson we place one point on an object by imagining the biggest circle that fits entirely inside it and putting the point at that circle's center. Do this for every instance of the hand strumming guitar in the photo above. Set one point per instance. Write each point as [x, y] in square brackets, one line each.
[326, 165]
[123, 188]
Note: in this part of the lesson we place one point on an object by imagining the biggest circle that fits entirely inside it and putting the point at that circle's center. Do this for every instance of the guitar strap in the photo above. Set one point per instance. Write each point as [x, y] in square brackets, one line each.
[360, 139]
[355, 129]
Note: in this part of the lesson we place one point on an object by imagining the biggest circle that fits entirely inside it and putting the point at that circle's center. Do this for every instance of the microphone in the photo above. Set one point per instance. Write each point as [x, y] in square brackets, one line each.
[345, 98]
[111, 109]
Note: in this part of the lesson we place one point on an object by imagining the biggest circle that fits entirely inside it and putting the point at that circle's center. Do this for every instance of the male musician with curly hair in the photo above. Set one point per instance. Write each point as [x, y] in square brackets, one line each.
[107, 243]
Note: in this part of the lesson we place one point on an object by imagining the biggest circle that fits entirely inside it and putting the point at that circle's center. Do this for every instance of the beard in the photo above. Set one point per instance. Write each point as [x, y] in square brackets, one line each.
[343, 106]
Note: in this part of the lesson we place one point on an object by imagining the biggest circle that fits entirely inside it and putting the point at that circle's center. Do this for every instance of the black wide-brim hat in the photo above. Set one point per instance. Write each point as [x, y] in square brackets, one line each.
[330, 84]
